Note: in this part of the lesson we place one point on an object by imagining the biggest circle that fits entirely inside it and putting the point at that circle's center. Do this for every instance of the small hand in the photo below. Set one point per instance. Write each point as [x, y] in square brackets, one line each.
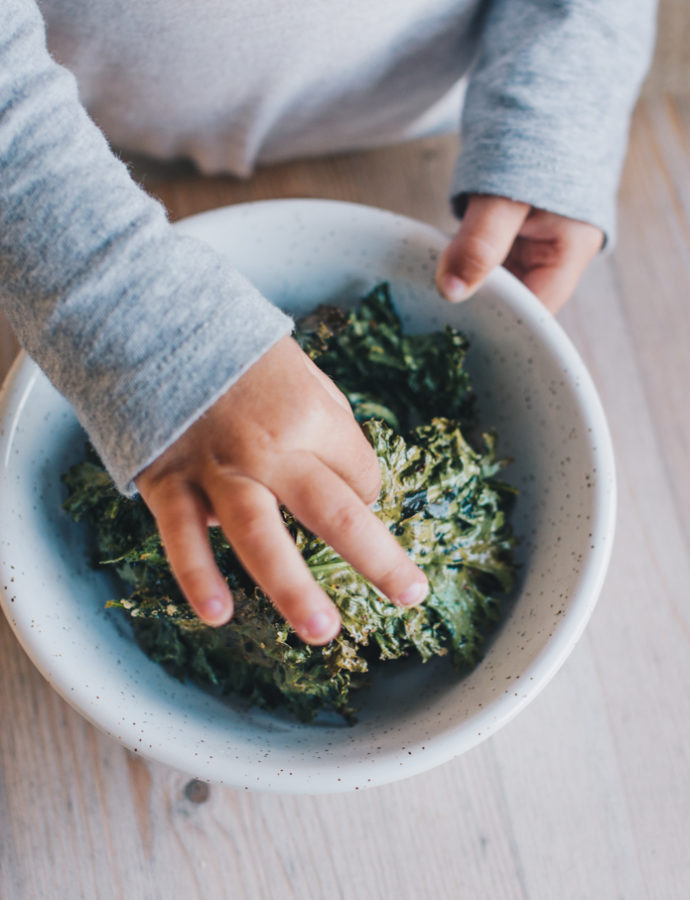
[547, 252]
[282, 434]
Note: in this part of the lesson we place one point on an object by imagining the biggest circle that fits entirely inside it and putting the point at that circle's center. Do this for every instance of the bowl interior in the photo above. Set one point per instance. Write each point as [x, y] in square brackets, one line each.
[531, 386]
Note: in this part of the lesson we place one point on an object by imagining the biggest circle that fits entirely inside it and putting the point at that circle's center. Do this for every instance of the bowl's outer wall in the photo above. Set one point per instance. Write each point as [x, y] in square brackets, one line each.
[531, 386]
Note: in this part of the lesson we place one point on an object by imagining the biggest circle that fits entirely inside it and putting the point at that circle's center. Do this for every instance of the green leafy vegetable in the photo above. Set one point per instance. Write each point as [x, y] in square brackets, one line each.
[440, 497]
[387, 374]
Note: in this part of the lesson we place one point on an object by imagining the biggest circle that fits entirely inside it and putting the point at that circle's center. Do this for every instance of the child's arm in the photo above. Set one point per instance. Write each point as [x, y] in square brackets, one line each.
[143, 330]
[545, 125]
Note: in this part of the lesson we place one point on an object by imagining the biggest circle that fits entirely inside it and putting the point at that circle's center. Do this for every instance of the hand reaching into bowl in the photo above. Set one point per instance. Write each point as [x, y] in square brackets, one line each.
[282, 434]
[547, 252]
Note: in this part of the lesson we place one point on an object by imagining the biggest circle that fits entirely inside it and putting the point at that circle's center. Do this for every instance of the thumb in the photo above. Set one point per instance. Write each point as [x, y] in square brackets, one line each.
[486, 234]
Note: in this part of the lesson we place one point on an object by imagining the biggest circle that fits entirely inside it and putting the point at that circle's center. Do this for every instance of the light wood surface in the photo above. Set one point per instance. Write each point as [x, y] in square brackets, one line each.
[585, 795]
[670, 70]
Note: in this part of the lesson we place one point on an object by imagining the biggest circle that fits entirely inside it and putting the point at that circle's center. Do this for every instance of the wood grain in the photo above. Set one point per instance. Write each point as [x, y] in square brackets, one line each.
[585, 795]
[670, 70]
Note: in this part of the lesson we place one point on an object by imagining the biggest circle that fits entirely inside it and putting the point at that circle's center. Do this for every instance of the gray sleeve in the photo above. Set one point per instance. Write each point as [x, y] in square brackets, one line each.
[140, 328]
[548, 104]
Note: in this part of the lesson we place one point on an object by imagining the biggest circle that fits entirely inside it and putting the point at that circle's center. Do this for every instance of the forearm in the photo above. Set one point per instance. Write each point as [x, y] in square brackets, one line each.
[141, 329]
[548, 104]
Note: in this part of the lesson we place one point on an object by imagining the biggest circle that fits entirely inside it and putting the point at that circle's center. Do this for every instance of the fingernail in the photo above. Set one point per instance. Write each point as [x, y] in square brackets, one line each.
[318, 627]
[454, 288]
[414, 594]
[215, 609]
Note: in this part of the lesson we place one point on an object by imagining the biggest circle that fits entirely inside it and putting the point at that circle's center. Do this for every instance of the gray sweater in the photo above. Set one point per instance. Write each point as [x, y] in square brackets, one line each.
[141, 328]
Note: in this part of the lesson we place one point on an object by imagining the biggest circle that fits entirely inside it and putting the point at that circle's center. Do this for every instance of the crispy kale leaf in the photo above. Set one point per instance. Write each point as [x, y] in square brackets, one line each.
[440, 497]
[385, 373]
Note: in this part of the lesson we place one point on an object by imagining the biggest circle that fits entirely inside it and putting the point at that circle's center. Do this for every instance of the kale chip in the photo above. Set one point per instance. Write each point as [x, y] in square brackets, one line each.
[440, 497]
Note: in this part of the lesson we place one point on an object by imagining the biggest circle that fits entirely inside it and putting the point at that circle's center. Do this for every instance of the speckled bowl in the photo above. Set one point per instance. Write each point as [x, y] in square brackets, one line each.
[532, 387]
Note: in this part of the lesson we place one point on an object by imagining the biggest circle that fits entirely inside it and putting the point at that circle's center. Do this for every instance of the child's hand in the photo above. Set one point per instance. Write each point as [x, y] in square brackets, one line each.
[547, 252]
[282, 434]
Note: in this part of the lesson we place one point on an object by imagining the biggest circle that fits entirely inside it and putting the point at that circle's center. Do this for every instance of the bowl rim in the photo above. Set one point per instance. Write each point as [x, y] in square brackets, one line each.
[454, 739]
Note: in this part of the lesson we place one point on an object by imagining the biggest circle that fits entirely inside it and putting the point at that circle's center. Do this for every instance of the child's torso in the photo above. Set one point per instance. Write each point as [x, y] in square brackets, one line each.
[232, 82]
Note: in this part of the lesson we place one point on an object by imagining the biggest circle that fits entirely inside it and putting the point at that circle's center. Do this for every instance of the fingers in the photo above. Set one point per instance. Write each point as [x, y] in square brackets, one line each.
[182, 518]
[483, 241]
[554, 285]
[546, 251]
[325, 504]
[344, 448]
[551, 254]
[350, 455]
[252, 523]
[328, 384]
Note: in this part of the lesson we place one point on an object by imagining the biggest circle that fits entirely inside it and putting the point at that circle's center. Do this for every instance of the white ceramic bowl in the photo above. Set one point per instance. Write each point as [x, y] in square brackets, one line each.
[531, 386]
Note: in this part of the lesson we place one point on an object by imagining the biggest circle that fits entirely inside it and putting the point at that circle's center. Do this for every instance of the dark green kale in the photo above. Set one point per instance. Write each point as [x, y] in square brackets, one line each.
[386, 374]
[439, 496]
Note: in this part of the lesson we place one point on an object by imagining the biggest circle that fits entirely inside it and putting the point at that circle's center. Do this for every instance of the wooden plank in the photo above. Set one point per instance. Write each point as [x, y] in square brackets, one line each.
[670, 71]
[631, 324]
[411, 179]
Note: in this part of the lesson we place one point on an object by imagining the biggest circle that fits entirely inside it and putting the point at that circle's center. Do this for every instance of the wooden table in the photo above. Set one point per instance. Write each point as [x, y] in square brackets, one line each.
[585, 795]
